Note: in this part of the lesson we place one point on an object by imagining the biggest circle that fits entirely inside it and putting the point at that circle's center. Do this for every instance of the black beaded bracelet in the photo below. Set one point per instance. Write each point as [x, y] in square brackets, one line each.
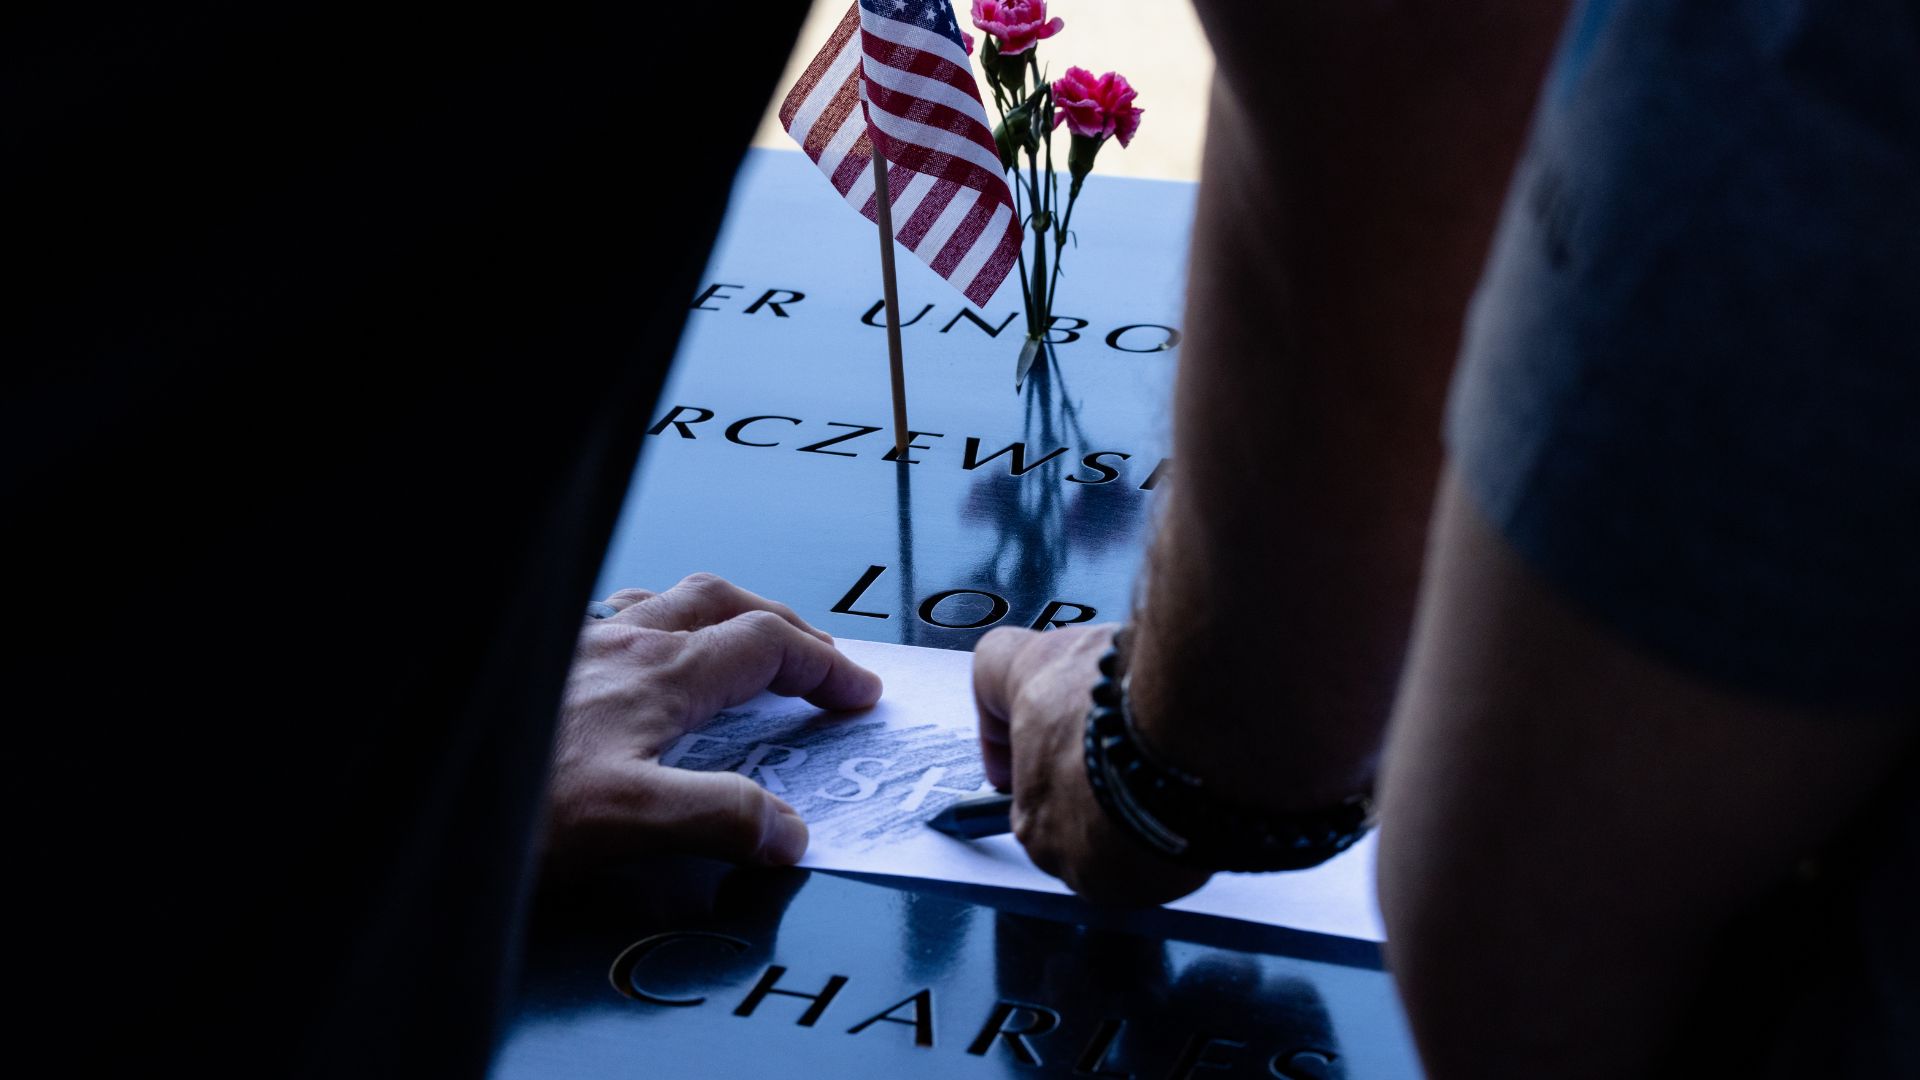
[1170, 811]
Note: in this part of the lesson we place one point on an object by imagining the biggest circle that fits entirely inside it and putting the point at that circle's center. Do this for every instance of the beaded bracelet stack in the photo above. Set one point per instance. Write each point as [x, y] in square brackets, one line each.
[1170, 811]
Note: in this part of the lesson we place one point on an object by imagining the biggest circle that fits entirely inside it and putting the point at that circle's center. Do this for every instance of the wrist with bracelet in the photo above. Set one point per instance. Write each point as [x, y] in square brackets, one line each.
[1172, 811]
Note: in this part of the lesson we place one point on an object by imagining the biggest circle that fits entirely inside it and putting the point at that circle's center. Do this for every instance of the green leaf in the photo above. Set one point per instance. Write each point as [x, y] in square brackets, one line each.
[1009, 150]
[1027, 353]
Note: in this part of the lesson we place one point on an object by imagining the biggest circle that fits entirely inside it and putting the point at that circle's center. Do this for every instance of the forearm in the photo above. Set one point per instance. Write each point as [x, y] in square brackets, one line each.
[1355, 164]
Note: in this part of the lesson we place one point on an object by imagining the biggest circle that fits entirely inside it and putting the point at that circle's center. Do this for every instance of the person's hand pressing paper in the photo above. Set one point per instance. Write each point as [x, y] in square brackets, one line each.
[659, 668]
[1034, 691]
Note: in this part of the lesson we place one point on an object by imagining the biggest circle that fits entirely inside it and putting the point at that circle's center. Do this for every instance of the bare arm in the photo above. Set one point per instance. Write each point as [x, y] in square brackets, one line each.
[1357, 155]
[1571, 825]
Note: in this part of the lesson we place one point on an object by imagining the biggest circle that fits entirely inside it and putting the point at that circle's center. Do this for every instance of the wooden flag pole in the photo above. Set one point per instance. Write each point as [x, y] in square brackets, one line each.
[883, 202]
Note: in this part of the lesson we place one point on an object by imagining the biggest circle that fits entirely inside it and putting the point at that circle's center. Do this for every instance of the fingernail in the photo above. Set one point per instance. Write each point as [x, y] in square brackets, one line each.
[786, 838]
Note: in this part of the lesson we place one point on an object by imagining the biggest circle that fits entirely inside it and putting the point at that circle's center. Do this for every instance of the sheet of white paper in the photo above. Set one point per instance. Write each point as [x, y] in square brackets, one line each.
[867, 783]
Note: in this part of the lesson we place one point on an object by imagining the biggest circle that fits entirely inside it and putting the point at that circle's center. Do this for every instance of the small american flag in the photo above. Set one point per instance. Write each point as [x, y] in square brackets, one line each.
[895, 73]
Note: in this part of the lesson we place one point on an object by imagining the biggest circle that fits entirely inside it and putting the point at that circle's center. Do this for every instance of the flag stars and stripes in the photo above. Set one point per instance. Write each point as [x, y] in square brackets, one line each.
[894, 73]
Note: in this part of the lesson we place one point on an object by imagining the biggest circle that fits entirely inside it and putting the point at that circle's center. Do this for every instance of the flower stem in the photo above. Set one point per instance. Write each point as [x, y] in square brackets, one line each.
[1060, 241]
[1053, 191]
[1038, 313]
[1026, 290]
[1042, 282]
[1003, 106]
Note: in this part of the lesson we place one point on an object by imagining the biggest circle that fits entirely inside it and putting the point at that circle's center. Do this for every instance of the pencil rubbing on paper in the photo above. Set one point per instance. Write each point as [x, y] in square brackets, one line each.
[858, 784]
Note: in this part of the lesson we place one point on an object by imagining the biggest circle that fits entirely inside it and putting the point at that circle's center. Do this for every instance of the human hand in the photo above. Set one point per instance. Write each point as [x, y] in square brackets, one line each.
[661, 667]
[1033, 691]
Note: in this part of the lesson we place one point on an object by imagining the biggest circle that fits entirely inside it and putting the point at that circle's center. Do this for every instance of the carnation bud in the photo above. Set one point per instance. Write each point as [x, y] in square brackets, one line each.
[1005, 142]
[1009, 70]
[1016, 133]
[1080, 155]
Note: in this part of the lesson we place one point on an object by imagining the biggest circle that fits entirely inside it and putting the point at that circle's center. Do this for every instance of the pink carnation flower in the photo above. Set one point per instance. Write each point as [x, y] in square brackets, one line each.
[1096, 108]
[967, 40]
[1017, 25]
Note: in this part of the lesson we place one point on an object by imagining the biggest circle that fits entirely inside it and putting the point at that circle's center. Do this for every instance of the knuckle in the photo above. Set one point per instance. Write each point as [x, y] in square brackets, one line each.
[1041, 725]
[611, 636]
[633, 595]
[764, 623]
[704, 584]
[1025, 828]
[672, 695]
[1023, 832]
[644, 645]
[1029, 703]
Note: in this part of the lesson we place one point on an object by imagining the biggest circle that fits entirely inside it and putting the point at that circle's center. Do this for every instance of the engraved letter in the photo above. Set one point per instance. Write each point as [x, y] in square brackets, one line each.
[1072, 332]
[623, 965]
[712, 292]
[734, 429]
[898, 453]
[861, 429]
[1100, 1049]
[1048, 619]
[1286, 1062]
[845, 606]
[1038, 1020]
[1165, 343]
[1154, 476]
[769, 984]
[673, 419]
[1107, 473]
[1195, 1056]
[922, 1022]
[881, 305]
[767, 301]
[996, 609]
[967, 314]
[1019, 466]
